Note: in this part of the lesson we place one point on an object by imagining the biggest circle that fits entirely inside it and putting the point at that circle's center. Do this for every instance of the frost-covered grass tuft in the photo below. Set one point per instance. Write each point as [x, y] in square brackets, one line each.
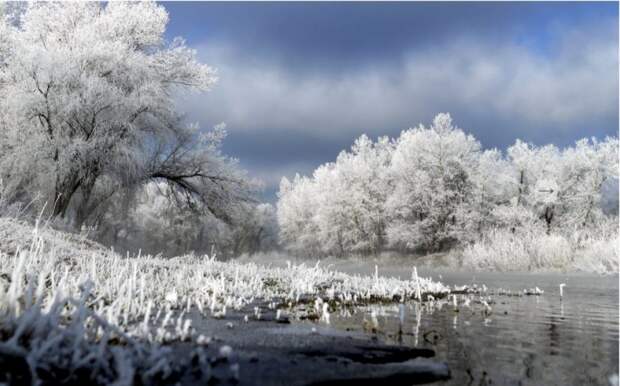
[66, 320]
[71, 309]
[530, 251]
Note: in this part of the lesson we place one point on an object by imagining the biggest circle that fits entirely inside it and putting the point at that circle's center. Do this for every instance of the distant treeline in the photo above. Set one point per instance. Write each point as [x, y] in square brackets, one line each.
[434, 187]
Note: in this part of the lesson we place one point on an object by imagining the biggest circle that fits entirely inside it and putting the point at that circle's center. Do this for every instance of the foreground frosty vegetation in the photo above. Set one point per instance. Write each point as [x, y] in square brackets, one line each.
[73, 311]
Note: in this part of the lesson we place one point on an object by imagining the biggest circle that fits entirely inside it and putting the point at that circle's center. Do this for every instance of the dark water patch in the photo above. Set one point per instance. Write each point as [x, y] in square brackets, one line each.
[374, 354]
[307, 353]
[413, 372]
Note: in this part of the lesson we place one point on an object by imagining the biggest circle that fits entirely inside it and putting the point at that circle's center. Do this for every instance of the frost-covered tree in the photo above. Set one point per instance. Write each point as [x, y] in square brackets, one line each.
[341, 208]
[429, 203]
[156, 225]
[256, 231]
[434, 187]
[585, 169]
[535, 175]
[352, 193]
[297, 204]
[415, 191]
[331, 220]
[87, 111]
[492, 188]
[563, 187]
[153, 223]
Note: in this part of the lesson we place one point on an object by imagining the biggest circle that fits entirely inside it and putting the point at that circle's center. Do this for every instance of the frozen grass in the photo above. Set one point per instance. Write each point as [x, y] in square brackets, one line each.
[64, 320]
[72, 309]
[502, 250]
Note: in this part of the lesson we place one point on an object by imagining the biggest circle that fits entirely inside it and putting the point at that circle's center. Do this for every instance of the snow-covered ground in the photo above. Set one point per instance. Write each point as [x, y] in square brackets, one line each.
[70, 307]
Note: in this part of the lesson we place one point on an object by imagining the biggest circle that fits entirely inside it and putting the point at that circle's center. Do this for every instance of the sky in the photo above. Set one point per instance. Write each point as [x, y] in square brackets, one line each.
[298, 82]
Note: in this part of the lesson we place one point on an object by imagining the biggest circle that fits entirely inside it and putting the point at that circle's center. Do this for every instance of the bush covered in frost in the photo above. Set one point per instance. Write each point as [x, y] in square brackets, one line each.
[504, 250]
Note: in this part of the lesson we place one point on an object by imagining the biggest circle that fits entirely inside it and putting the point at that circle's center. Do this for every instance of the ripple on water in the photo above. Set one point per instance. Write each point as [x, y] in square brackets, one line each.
[526, 340]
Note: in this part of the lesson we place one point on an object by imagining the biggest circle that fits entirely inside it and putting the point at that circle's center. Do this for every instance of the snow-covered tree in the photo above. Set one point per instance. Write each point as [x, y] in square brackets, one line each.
[87, 111]
[297, 203]
[353, 190]
[492, 189]
[256, 231]
[432, 186]
[341, 208]
[563, 187]
[331, 218]
[535, 175]
[585, 169]
[153, 223]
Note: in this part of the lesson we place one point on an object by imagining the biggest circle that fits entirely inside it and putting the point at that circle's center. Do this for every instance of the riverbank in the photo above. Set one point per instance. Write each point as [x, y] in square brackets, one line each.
[73, 313]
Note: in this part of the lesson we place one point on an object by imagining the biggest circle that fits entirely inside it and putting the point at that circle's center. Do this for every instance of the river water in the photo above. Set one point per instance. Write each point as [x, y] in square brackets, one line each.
[526, 340]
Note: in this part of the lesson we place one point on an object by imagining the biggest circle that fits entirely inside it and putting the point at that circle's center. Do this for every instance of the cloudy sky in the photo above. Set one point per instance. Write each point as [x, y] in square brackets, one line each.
[300, 81]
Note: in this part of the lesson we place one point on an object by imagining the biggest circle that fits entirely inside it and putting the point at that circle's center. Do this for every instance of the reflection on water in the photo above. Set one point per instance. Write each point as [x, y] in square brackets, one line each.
[529, 340]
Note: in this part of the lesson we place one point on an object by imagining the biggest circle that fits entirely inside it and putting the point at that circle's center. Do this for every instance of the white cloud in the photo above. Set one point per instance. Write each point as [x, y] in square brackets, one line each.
[510, 82]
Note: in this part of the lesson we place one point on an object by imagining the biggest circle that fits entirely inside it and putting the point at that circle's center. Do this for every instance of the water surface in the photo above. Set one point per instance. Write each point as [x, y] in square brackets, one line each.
[528, 340]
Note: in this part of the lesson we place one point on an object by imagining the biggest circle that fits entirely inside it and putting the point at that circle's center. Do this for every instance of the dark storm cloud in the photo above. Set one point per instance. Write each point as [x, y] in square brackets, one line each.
[299, 82]
[358, 34]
